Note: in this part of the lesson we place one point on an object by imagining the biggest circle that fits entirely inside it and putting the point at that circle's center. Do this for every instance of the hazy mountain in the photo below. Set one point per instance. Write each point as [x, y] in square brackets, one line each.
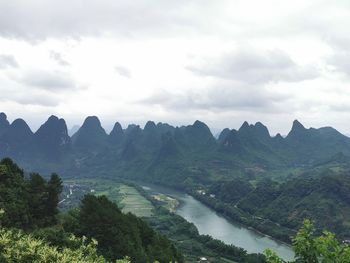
[190, 150]
[90, 136]
[52, 138]
[4, 123]
[189, 157]
[16, 139]
[116, 136]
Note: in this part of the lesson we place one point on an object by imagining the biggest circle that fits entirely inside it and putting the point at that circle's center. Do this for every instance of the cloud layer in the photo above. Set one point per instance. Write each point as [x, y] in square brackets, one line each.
[8, 61]
[255, 67]
[219, 61]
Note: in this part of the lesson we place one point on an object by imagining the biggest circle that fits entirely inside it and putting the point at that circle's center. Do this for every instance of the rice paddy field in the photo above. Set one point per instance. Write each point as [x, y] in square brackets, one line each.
[132, 201]
[127, 197]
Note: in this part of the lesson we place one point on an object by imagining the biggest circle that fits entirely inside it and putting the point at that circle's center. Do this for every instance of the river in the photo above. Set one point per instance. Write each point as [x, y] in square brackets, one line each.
[210, 223]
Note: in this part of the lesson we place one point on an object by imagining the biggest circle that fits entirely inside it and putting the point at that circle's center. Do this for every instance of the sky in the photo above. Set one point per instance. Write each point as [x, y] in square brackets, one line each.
[222, 62]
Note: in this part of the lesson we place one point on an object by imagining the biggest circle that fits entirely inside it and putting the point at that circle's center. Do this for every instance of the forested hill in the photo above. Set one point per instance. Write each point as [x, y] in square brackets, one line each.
[189, 152]
[190, 158]
[33, 230]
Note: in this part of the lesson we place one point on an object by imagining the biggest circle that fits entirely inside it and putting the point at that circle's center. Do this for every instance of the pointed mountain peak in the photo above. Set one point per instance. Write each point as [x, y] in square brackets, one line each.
[20, 124]
[278, 136]
[3, 120]
[261, 129]
[54, 122]
[117, 129]
[52, 118]
[90, 134]
[199, 124]
[297, 125]
[52, 126]
[298, 131]
[92, 121]
[4, 123]
[225, 132]
[150, 126]
[52, 137]
[117, 133]
[245, 125]
[246, 128]
[259, 125]
[3, 116]
[165, 127]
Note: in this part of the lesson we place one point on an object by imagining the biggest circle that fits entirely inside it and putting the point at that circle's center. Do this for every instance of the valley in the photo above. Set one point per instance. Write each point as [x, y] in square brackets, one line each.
[204, 219]
[246, 176]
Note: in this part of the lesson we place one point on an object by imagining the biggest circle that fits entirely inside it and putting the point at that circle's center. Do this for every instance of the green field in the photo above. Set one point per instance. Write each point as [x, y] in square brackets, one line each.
[127, 197]
[132, 201]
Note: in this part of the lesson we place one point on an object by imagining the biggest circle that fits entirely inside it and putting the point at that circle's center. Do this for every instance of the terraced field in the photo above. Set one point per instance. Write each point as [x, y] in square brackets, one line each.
[126, 197]
[132, 201]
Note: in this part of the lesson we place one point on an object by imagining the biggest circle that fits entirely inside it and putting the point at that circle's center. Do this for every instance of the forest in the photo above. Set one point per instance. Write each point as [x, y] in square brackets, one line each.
[97, 231]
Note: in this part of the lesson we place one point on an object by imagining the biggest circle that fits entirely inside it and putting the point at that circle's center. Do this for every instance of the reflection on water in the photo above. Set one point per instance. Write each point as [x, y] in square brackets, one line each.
[210, 223]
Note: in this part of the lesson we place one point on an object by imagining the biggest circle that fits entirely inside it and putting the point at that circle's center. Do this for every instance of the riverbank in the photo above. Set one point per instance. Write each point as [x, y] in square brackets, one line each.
[209, 223]
[261, 225]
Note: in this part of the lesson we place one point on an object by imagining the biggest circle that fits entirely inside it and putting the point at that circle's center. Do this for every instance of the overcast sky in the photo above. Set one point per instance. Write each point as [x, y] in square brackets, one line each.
[219, 61]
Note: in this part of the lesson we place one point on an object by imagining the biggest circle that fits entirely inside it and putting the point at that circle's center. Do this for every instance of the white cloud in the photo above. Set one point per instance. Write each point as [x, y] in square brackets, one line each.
[123, 71]
[255, 67]
[58, 58]
[221, 61]
[8, 61]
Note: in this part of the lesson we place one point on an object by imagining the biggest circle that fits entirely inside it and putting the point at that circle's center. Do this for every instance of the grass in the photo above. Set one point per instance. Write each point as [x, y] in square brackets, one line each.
[132, 201]
[126, 197]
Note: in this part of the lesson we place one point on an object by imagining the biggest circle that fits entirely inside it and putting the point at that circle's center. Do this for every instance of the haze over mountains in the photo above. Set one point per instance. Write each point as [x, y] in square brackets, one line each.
[159, 147]
[252, 174]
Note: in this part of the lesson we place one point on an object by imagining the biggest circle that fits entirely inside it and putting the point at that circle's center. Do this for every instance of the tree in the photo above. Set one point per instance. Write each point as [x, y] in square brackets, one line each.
[15, 246]
[54, 189]
[310, 249]
[13, 195]
[37, 199]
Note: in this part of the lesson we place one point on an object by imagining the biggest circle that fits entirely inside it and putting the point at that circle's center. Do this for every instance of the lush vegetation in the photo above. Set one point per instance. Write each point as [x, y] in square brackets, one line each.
[193, 245]
[269, 183]
[119, 234]
[280, 208]
[311, 249]
[182, 233]
[28, 203]
[189, 241]
[16, 246]
[34, 231]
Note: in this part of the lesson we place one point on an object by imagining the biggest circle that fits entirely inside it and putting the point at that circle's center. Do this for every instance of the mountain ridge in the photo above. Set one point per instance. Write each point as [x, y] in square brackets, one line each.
[192, 145]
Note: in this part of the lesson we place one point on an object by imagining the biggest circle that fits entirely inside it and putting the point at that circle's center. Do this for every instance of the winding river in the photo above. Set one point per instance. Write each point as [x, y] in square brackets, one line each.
[210, 223]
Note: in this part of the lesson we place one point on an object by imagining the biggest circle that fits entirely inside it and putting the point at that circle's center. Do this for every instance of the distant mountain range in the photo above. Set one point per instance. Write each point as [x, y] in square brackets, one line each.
[158, 150]
[253, 175]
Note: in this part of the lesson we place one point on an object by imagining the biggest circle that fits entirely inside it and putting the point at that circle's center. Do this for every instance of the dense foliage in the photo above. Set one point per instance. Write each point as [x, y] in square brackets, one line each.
[30, 204]
[16, 246]
[190, 242]
[324, 199]
[118, 234]
[310, 249]
[233, 168]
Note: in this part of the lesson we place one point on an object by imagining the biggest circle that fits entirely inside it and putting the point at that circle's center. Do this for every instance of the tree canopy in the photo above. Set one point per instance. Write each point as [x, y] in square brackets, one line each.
[310, 249]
